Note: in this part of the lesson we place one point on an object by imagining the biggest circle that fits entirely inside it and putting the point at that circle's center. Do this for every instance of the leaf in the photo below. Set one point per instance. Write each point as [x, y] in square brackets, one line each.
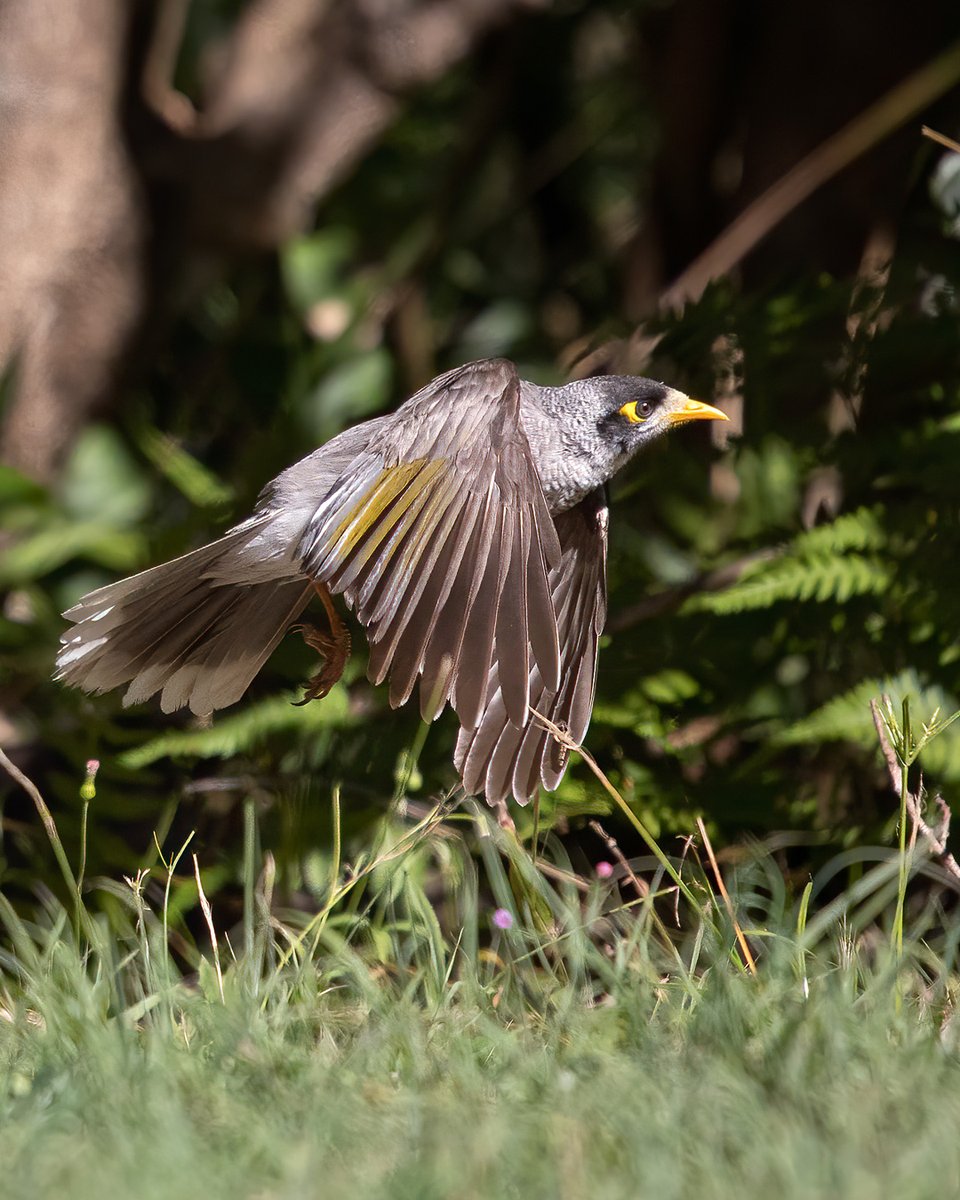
[829, 562]
[102, 481]
[848, 718]
[818, 577]
[357, 388]
[241, 731]
[670, 686]
[195, 481]
[18, 489]
[496, 330]
[43, 552]
[859, 530]
[312, 264]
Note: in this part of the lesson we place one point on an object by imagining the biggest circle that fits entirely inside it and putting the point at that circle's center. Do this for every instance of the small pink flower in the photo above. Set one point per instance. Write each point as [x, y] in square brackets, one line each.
[93, 766]
[503, 918]
[603, 869]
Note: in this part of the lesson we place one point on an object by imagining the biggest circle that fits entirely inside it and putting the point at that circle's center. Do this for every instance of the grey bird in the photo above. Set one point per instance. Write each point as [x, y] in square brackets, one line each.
[467, 531]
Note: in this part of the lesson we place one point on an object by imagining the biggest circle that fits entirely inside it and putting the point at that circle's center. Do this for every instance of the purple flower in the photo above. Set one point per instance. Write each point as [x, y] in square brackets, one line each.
[503, 918]
[93, 766]
[603, 869]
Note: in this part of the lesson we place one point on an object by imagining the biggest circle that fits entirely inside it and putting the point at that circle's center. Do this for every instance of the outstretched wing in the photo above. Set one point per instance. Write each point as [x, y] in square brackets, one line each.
[500, 755]
[439, 537]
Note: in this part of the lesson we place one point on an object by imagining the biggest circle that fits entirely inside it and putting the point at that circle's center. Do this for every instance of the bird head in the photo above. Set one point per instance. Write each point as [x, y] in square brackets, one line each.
[593, 426]
[634, 411]
[631, 411]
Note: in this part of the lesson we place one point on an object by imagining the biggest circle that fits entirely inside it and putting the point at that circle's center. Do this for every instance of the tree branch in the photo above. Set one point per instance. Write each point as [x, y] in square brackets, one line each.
[906, 100]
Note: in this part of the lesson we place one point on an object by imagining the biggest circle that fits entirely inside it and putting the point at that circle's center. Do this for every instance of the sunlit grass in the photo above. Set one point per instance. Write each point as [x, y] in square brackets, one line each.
[397, 1042]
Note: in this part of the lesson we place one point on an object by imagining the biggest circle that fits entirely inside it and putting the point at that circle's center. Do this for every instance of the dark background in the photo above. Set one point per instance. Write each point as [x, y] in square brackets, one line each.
[229, 230]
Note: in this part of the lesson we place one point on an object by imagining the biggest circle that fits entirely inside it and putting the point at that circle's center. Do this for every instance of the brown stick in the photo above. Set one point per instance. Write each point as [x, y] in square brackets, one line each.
[758, 219]
[561, 876]
[208, 918]
[935, 840]
[942, 138]
[46, 817]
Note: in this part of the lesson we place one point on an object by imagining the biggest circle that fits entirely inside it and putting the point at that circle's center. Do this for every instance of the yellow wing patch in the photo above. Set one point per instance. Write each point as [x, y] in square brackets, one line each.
[408, 481]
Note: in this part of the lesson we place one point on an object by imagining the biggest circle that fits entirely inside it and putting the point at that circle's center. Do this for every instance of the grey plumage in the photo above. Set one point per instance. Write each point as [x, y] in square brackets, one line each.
[467, 533]
[191, 629]
[498, 757]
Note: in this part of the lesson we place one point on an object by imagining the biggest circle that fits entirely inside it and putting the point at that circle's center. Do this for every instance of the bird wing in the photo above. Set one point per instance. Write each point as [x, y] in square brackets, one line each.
[499, 756]
[439, 537]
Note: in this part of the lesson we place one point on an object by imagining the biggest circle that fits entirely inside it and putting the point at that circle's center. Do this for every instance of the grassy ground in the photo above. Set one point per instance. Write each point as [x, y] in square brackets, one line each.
[388, 1047]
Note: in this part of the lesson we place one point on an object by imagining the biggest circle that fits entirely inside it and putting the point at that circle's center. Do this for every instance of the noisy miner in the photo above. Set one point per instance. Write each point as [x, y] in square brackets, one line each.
[468, 533]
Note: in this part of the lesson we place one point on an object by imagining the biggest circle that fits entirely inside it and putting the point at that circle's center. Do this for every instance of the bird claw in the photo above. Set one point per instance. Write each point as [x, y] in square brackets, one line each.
[333, 648]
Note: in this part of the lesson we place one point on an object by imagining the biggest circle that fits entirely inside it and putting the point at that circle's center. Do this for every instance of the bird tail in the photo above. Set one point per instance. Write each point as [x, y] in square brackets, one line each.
[196, 629]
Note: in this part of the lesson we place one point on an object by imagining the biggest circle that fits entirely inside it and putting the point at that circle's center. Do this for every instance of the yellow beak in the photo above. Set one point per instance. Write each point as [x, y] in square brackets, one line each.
[696, 410]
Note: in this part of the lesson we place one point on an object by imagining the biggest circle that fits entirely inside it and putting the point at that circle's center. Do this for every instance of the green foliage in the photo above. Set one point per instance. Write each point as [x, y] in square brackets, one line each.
[860, 530]
[847, 718]
[103, 498]
[819, 564]
[787, 639]
[240, 732]
[798, 577]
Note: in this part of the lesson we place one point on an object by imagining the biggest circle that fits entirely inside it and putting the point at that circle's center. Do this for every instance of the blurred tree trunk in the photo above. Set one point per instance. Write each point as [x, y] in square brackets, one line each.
[111, 179]
[71, 219]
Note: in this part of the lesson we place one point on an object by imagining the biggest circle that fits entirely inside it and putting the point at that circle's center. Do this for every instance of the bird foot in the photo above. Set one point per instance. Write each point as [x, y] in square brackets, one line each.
[334, 650]
[333, 647]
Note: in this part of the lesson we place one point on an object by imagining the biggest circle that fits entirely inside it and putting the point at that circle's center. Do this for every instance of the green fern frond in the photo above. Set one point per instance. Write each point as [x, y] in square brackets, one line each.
[818, 577]
[848, 718]
[830, 562]
[243, 730]
[859, 530]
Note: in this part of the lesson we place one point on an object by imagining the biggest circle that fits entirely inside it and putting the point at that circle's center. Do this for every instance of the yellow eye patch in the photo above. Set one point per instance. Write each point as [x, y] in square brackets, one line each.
[635, 413]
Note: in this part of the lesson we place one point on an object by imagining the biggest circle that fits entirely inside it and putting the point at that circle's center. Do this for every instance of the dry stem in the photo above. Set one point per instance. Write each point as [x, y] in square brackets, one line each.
[935, 839]
[748, 957]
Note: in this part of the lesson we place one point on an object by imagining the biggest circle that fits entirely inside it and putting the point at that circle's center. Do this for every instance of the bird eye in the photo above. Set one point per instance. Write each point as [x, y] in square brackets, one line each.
[636, 411]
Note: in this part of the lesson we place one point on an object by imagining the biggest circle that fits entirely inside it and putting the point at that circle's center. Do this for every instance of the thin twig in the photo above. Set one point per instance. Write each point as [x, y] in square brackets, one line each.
[945, 814]
[45, 814]
[942, 138]
[566, 740]
[561, 876]
[889, 754]
[748, 957]
[49, 825]
[687, 843]
[639, 885]
[160, 62]
[936, 840]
